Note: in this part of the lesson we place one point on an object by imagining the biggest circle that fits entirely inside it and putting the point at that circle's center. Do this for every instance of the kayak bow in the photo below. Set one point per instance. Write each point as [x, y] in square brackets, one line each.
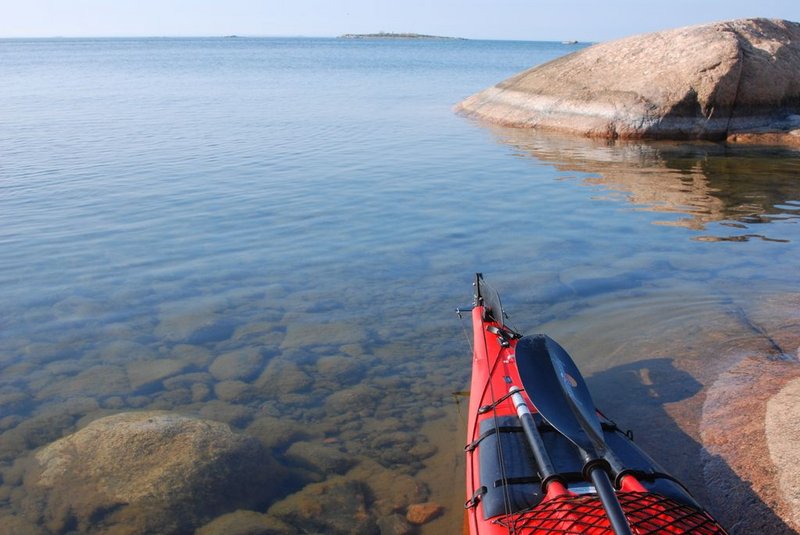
[542, 459]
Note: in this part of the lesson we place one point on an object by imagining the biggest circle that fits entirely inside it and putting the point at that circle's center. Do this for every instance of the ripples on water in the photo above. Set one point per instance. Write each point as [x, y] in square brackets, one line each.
[315, 203]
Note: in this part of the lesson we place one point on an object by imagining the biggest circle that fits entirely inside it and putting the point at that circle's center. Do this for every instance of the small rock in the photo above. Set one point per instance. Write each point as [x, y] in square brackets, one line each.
[41, 352]
[97, 381]
[186, 380]
[302, 336]
[324, 458]
[392, 491]
[7, 422]
[242, 364]
[245, 523]
[336, 506]
[395, 524]
[282, 377]
[276, 433]
[113, 402]
[172, 398]
[65, 367]
[145, 373]
[352, 399]
[421, 513]
[137, 401]
[32, 433]
[340, 371]
[192, 354]
[233, 391]
[16, 525]
[200, 392]
[192, 323]
[423, 449]
[123, 351]
[12, 400]
[262, 334]
[221, 411]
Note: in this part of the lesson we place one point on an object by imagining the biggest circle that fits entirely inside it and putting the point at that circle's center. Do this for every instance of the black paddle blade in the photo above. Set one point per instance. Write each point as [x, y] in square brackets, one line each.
[490, 300]
[557, 389]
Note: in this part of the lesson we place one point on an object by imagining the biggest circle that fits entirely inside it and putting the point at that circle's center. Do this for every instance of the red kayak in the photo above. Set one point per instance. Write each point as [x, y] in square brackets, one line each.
[542, 459]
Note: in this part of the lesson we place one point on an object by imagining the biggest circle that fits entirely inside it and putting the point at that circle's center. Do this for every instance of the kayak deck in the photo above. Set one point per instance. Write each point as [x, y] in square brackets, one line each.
[505, 488]
[647, 513]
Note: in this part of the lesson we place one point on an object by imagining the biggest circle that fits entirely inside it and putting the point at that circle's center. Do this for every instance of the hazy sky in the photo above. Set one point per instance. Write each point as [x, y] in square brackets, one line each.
[585, 20]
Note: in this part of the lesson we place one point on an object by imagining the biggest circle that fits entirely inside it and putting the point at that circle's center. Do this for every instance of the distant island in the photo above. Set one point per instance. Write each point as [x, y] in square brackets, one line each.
[387, 35]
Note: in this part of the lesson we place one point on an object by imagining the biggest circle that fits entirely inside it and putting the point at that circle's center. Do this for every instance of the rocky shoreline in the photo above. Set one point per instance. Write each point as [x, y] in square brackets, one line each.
[737, 80]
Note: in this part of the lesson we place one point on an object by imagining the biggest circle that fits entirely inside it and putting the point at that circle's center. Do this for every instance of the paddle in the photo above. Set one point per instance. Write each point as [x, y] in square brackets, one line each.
[488, 297]
[557, 389]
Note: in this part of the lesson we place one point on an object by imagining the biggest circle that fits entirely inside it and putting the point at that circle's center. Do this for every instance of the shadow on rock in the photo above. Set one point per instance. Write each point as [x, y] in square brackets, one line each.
[647, 396]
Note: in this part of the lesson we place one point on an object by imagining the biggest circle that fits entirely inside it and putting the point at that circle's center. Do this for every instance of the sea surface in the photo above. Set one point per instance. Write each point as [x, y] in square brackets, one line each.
[313, 211]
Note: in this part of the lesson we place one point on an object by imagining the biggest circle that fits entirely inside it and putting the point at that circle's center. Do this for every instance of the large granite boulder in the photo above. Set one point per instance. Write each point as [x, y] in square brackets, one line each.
[702, 82]
[147, 472]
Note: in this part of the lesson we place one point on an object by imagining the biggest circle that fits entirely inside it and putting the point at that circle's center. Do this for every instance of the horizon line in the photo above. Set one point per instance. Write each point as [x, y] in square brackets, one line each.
[276, 36]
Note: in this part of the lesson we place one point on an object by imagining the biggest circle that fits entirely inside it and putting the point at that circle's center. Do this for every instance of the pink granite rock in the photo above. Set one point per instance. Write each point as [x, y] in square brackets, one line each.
[421, 513]
[699, 82]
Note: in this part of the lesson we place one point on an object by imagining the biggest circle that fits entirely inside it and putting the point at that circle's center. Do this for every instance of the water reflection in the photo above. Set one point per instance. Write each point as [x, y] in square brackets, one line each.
[707, 186]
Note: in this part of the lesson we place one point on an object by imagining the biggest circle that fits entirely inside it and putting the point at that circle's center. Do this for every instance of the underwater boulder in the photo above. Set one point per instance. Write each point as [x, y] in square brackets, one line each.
[150, 472]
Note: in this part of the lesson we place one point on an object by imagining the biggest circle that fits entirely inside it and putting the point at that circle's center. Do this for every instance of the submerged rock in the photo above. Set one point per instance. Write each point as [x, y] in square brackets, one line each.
[303, 336]
[241, 364]
[394, 524]
[283, 377]
[15, 525]
[700, 82]
[276, 433]
[193, 323]
[391, 492]
[335, 506]
[323, 458]
[783, 434]
[99, 381]
[245, 523]
[147, 472]
[421, 513]
[221, 411]
[233, 391]
[338, 371]
[144, 374]
[33, 432]
[745, 459]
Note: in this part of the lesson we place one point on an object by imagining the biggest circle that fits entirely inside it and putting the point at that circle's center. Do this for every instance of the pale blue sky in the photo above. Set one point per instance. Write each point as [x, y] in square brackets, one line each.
[585, 20]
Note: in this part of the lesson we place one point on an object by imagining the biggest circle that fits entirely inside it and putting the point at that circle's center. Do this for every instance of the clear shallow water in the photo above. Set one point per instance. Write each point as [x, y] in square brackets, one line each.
[316, 201]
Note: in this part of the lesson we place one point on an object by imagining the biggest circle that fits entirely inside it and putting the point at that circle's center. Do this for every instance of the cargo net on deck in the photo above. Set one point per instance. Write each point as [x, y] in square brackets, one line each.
[647, 514]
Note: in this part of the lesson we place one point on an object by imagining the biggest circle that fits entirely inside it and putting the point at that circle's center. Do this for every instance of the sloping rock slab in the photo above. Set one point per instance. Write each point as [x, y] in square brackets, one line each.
[699, 82]
[742, 452]
[147, 472]
[783, 435]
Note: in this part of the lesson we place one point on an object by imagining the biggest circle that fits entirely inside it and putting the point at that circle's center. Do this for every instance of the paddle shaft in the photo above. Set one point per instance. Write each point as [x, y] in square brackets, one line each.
[599, 478]
[609, 500]
[547, 471]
